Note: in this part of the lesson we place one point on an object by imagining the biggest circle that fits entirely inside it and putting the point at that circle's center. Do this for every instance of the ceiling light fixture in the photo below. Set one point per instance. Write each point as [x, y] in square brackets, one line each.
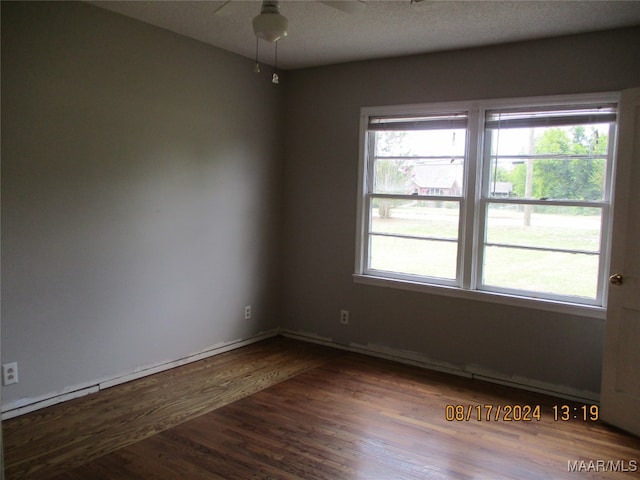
[270, 26]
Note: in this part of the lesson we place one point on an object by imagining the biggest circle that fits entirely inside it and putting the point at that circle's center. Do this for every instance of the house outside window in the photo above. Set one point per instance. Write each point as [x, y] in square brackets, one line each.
[507, 200]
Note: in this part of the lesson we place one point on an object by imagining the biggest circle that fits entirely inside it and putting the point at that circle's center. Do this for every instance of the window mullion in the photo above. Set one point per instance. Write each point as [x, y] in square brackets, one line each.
[468, 236]
[484, 175]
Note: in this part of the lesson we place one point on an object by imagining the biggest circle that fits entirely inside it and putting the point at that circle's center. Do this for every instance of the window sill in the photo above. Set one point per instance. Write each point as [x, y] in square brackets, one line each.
[491, 297]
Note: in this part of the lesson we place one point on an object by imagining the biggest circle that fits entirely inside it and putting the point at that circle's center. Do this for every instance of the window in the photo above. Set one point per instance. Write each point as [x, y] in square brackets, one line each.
[507, 198]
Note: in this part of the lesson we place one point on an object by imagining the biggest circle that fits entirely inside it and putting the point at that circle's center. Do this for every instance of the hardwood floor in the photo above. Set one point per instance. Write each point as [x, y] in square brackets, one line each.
[52, 440]
[282, 409]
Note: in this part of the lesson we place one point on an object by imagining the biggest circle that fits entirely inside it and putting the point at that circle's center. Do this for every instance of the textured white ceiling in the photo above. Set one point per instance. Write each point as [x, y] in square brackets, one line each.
[321, 35]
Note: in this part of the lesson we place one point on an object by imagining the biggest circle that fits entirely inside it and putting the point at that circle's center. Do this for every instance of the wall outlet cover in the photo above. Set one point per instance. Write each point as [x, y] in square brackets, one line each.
[10, 373]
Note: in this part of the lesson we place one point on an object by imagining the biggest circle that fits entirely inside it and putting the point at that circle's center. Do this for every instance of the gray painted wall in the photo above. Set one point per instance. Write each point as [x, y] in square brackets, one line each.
[321, 138]
[143, 179]
[141, 195]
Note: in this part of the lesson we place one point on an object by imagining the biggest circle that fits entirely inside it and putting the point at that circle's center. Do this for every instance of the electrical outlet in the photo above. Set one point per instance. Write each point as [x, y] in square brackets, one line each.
[344, 317]
[10, 373]
[247, 312]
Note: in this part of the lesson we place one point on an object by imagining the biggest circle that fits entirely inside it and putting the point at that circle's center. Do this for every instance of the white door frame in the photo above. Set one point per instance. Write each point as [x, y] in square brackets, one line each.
[620, 394]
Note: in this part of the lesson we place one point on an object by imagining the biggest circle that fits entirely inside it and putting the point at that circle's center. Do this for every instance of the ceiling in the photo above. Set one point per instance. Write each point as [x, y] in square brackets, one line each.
[320, 34]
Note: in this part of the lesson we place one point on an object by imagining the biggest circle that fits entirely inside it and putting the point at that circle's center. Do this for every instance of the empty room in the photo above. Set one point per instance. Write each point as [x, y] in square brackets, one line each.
[320, 240]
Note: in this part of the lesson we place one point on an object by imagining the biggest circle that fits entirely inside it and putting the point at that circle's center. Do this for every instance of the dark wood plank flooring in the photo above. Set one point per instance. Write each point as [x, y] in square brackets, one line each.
[306, 412]
[54, 439]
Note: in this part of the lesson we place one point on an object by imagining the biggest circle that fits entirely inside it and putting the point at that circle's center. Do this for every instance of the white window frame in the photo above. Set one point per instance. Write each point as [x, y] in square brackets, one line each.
[473, 209]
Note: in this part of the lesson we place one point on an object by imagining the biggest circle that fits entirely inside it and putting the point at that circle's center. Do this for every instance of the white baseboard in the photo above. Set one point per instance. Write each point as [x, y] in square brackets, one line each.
[23, 406]
[400, 356]
[30, 405]
[206, 353]
[420, 360]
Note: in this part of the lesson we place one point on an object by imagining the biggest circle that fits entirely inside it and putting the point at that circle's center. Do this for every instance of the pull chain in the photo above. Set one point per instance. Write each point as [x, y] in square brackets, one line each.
[275, 79]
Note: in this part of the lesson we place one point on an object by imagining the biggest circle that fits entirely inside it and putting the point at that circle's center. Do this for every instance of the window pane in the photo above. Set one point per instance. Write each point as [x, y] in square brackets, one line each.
[428, 218]
[404, 176]
[538, 271]
[428, 258]
[419, 162]
[567, 228]
[420, 143]
[562, 163]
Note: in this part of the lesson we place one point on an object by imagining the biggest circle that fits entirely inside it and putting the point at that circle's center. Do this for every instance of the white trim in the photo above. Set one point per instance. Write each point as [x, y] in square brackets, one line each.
[379, 351]
[471, 372]
[492, 103]
[23, 406]
[360, 200]
[206, 353]
[473, 210]
[47, 402]
[467, 225]
[551, 389]
[581, 310]
[607, 220]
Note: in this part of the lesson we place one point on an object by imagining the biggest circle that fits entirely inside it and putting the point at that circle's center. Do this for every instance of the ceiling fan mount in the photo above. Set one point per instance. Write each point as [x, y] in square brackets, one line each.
[271, 26]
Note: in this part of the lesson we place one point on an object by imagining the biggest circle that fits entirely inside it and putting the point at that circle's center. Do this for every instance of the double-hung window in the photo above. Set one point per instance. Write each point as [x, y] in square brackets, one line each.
[415, 184]
[508, 200]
